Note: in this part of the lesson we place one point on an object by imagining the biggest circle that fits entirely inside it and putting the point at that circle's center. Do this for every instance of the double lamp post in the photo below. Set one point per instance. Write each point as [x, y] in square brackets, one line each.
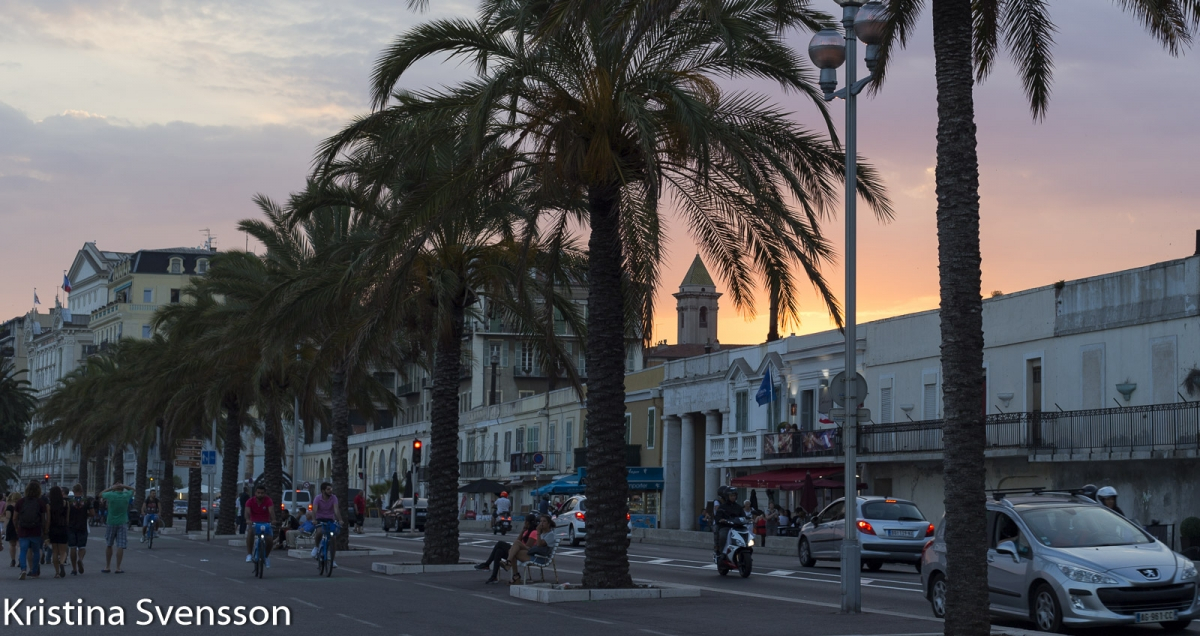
[828, 50]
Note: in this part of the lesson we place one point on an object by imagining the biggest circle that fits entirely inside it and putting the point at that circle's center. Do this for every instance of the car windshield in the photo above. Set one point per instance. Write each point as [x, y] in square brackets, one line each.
[1081, 527]
[891, 511]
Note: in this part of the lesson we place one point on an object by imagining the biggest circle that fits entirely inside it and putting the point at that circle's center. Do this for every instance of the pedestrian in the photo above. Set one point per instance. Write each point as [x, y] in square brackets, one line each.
[241, 511]
[59, 511]
[33, 523]
[772, 521]
[544, 505]
[116, 502]
[360, 511]
[77, 528]
[10, 527]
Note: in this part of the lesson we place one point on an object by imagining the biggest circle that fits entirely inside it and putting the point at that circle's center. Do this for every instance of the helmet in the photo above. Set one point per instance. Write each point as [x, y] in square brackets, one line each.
[504, 493]
[722, 491]
[1107, 491]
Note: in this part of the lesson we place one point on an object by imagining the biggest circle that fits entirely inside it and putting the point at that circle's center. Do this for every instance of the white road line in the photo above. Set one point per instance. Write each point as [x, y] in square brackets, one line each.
[816, 603]
[651, 631]
[498, 600]
[340, 567]
[658, 562]
[360, 621]
[235, 581]
[582, 618]
[300, 600]
[436, 587]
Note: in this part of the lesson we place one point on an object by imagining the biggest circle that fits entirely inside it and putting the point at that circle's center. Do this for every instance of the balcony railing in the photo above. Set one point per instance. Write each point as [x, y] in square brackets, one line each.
[1124, 430]
[821, 443]
[479, 470]
[735, 446]
[523, 462]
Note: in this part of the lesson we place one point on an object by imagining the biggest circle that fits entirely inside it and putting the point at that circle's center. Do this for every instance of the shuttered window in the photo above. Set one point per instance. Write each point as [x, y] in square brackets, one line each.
[885, 405]
[929, 401]
[743, 412]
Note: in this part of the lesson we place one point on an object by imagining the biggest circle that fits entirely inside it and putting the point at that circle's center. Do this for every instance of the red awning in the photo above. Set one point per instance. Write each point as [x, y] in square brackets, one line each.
[790, 478]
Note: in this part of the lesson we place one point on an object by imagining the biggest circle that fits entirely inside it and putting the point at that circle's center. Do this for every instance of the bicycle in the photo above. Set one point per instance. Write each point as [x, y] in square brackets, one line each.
[151, 522]
[259, 557]
[324, 563]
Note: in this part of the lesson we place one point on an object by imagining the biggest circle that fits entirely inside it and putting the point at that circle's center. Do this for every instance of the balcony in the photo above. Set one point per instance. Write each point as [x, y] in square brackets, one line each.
[479, 470]
[633, 455]
[528, 372]
[521, 463]
[735, 446]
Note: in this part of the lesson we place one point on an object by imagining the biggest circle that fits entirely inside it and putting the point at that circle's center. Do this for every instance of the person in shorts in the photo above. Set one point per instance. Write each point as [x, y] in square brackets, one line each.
[78, 516]
[116, 501]
[259, 509]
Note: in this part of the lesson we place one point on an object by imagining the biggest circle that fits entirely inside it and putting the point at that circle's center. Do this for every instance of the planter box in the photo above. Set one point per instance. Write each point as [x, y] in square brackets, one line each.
[352, 552]
[548, 593]
[392, 569]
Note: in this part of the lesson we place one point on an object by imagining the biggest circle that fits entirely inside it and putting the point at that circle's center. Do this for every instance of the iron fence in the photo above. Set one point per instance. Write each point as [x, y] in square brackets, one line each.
[1118, 430]
[479, 470]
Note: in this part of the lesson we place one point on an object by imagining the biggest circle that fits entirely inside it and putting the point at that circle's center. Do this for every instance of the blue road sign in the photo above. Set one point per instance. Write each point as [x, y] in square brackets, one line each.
[539, 459]
[208, 458]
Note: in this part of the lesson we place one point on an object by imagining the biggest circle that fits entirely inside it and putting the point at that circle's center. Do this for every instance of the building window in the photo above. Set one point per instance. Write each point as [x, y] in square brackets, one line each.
[533, 439]
[121, 296]
[147, 295]
[464, 402]
[507, 443]
[527, 356]
[929, 397]
[704, 317]
[628, 429]
[569, 432]
[145, 331]
[176, 266]
[806, 410]
[495, 445]
[651, 423]
[776, 409]
[520, 440]
[202, 266]
[742, 404]
[174, 296]
[552, 437]
[885, 405]
[524, 394]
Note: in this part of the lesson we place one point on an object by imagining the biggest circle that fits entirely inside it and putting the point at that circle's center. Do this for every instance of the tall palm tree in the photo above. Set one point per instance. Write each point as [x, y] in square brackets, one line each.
[967, 36]
[616, 105]
[17, 407]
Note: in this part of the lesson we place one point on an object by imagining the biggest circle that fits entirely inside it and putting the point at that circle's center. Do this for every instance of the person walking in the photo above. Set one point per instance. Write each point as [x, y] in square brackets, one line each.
[78, 515]
[772, 519]
[116, 501]
[241, 511]
[360, 511]
[10, 527]
[59, 514]
[33, 523]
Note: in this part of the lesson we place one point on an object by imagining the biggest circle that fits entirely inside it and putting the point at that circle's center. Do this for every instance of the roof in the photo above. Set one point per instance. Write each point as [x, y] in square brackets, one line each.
[680, 351]
[159, 261]
[697, 274]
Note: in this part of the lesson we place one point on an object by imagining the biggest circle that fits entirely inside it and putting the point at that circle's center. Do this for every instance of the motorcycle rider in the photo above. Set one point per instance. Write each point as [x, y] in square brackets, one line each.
[502, 506]
[1107, 496]
[728, 511]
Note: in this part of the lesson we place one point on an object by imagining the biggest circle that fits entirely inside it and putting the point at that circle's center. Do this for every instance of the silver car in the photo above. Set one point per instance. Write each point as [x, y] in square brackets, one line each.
[1061, 560]
[889, 531]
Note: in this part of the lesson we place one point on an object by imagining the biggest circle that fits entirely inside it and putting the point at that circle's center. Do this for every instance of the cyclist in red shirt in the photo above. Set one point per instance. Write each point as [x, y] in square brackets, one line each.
[259, 510]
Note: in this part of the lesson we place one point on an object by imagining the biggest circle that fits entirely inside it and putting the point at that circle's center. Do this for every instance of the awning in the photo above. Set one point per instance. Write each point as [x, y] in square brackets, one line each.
[565, 485]
[637, 478]
[792, 478]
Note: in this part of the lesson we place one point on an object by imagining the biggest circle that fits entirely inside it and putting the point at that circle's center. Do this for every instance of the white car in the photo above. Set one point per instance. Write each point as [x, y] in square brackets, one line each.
[572, 516]
[293, 499]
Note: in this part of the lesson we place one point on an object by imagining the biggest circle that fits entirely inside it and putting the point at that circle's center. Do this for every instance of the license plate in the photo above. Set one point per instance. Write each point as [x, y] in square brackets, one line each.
[1155, 617]
[908, 534]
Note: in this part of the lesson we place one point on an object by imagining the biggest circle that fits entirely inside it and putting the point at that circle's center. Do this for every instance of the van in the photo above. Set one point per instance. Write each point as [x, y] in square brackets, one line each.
[293, 499]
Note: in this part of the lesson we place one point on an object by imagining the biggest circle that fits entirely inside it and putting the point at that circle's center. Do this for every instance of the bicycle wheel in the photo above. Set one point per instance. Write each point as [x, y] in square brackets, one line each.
[150, 537]
[259, 559]
[321, 553]
[329, 562]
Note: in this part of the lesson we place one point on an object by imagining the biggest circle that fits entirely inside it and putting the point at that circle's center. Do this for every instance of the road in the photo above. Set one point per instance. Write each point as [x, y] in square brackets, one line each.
[780, 598]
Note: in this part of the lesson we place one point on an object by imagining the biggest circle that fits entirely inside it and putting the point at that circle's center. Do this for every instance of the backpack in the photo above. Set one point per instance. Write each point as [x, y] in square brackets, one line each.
[31, 514]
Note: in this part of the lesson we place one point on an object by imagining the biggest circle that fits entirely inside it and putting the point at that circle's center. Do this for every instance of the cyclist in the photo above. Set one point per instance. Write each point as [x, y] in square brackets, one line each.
[150, 513]
[259, 510]
[327, 511]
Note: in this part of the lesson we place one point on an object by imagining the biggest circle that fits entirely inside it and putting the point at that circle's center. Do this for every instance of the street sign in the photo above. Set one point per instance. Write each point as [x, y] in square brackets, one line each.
[187, 453]
[839, 415]
[539, 459]
[187, 463]
[837, 386]
[208, 460]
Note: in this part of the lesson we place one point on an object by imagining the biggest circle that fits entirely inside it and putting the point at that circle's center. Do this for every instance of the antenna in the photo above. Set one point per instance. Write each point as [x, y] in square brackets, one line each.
[208, 239]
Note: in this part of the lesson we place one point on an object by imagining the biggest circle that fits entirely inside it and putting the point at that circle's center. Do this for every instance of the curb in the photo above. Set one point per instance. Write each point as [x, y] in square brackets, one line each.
[352, 552]
[547, 593]
[393, 569]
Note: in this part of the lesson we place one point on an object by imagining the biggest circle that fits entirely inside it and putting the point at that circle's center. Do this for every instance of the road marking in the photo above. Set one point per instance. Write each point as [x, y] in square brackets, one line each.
[349, 569]
[651, 631]
[498, 600]
[235, 581]
[658, 562]
[582, 618]
[436, 587]
[816, 603]
[298, 600]
[780, 573]
[360, 620]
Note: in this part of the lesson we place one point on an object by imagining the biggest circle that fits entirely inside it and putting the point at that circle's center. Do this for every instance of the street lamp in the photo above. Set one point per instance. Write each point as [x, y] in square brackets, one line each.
[828, 50]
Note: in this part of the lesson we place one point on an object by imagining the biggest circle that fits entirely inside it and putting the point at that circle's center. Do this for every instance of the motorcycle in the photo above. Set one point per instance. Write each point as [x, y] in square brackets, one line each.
[739, 549]
[502, 524]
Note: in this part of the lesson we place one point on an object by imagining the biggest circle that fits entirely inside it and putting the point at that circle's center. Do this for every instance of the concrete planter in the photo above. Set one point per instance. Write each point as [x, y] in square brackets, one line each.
[352, 552]
[392, 569]
[548, 593]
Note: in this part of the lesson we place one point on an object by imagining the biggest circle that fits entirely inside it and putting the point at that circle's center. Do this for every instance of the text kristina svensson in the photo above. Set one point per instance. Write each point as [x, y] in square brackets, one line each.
[18, 613]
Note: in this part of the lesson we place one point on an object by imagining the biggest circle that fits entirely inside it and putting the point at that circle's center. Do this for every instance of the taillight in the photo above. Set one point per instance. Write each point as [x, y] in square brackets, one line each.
[929, 531]
[865, 527]
[925, 547]
[579, 516]
[627, 516]
[310, 506]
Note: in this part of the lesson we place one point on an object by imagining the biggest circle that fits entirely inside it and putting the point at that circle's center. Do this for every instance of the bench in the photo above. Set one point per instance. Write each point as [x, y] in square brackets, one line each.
[541, 562]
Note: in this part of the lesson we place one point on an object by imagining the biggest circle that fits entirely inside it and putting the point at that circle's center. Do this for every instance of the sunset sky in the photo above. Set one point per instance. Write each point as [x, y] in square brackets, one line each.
[137, 124]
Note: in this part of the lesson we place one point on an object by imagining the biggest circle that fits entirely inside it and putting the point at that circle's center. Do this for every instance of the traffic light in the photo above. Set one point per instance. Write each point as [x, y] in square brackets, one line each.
[416, 454]
[46, 479]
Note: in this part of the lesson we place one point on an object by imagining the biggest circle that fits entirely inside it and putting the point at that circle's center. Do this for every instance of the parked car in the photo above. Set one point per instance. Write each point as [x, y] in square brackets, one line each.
[572, 515]
[1061, 560]
[398, 516]
[889, 531]
[179, 508]
[293, 499]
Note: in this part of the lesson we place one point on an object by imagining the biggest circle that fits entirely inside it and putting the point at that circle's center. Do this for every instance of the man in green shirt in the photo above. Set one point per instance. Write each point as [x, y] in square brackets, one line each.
[117, 497]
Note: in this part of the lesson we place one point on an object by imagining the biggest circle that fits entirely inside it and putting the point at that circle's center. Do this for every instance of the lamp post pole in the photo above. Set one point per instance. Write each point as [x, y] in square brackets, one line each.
[829, 49]
[296, 447]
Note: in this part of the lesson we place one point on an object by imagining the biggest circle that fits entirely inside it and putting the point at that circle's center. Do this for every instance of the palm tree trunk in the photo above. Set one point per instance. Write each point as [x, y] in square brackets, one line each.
[606, 560]
[957, 181]
[167, 492]
[773, 329]
[229, 467]
[441, 524]
[100, 461]
[83, 468]
[195, 500]
[118, 464]
[140, 475]
[273, 454]
[339, 447]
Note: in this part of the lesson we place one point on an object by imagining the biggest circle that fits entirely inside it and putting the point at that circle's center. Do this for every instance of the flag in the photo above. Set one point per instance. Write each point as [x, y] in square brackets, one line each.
[35, 298]
[766, 392]
[66, 284]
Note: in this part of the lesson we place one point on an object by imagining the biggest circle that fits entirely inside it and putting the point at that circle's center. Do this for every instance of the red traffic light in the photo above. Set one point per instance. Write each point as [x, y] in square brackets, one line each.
[416, 443]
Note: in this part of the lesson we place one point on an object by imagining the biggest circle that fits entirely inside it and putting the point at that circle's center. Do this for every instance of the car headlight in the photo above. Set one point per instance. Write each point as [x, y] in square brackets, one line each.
[1187, 570]
[750, 544]
[1084, 575]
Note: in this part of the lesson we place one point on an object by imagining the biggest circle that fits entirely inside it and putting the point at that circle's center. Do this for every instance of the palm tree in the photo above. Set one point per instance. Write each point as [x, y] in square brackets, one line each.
[967, 36]
[17, 407]
[616, 105]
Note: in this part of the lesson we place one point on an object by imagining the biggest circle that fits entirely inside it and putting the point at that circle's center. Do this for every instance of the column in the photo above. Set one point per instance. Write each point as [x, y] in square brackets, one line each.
[671, 478]
[712, 475]
[687, 473]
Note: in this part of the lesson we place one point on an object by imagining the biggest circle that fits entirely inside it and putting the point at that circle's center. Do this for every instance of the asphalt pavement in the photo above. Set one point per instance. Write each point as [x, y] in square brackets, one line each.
[779, 598]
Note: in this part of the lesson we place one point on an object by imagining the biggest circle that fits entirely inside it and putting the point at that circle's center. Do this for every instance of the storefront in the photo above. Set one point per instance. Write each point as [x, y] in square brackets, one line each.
[645, 492]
